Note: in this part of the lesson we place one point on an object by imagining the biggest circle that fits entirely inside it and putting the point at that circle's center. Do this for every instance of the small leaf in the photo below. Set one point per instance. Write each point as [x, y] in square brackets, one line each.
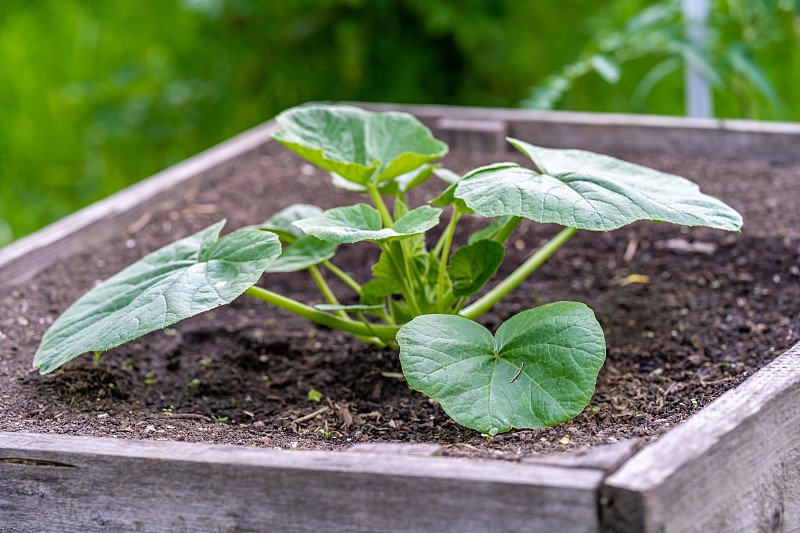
[447, 176]
[413, 248]
[400, 208]
[417, 221]
[314, 395]
[472, 266]
[304, 253]
[489, 231]
[374, 291]
[180, 280]
[281, 222]
[539, 369]
[591, 191]
[361, 222]
[358, 145]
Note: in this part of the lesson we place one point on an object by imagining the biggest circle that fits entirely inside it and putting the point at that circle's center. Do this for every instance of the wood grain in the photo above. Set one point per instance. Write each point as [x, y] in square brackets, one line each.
[734, 466]
[83, 484]
[777, 142]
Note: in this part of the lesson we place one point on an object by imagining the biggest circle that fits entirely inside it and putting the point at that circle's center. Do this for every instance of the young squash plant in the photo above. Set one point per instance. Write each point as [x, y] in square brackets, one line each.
[538, 369]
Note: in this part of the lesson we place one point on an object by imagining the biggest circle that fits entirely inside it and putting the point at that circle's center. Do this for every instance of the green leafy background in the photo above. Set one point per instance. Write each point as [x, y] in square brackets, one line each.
[97, 95]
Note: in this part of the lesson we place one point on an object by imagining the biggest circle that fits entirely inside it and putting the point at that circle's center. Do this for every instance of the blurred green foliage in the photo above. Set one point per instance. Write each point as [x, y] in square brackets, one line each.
[749, 44]
[97, 95]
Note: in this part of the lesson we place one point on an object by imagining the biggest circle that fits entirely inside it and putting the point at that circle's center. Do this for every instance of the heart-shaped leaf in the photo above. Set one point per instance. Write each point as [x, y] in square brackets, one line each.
[361, 222]
[473, 265]
[539, 369]
[180, 280]
[358, 145]
[591, 191]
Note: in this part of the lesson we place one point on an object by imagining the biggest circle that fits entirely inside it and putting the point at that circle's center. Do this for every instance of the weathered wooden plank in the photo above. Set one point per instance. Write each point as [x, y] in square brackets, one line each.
[608, 132]
[24, 258]
[474, 135]
[734, 466]
[82, 484]
[426, 449]
[605, 457]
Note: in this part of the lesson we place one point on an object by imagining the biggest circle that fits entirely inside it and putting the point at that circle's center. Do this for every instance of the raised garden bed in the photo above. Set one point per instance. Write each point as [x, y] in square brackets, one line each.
[714, 307]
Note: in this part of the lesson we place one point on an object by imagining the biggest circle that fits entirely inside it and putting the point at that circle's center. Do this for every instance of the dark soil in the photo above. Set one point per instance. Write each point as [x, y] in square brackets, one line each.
[688, 314]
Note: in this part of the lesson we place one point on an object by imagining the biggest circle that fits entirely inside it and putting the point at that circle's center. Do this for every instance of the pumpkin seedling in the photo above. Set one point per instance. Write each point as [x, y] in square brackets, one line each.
[538, 369]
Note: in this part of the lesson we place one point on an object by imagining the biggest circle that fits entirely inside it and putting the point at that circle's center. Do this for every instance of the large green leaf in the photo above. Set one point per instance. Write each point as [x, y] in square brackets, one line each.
[555, 352]
[448, 196]
[591, 191]
[182, 279]
[358, 145]
[473, 265]
[361, 222]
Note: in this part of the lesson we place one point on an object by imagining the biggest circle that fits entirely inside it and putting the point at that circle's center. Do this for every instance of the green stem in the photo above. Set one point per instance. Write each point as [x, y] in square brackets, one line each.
[342, 275]
[325, 289]
[488, 300]
[390, 318]
[449, 231]
[443, 237]
[375, 194]
[320, 317]
[399, 274]
[507, 229]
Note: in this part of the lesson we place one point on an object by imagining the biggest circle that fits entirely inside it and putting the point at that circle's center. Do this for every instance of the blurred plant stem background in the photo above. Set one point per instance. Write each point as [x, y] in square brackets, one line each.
[95, 95]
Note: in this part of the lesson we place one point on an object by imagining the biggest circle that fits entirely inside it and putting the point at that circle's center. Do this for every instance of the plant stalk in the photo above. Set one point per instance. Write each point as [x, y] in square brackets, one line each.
[407, 292]
[488, 300]
[375, 194]
[345, 324]
[325, 289]
[449, 231]
[506, 230]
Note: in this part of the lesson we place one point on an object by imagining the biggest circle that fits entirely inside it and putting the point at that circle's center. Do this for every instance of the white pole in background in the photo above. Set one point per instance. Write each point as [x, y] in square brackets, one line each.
[697, 92]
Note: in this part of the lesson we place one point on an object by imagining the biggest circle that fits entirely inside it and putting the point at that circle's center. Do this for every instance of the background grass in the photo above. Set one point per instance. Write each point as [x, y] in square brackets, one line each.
[95, 95]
